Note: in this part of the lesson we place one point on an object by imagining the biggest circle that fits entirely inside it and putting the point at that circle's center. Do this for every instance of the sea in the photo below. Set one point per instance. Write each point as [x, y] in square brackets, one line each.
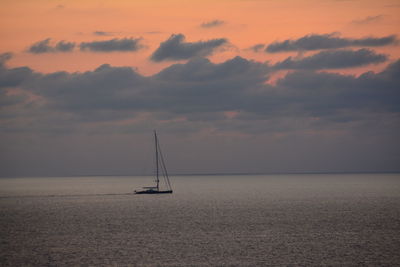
[209, 220]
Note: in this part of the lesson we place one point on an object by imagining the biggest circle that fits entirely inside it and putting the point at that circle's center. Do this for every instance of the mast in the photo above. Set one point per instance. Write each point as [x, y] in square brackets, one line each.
[156, 144]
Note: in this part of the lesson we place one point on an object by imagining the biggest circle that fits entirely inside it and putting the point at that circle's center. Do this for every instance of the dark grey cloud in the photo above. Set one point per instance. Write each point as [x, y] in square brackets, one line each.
[197, 86]
[10, 78]
[202, 86]
[213, 23]
[327, 41]
[15, 76]
[41, 47]
[45, 46]
[326, 94]
[64, 46]
[175, 48]
[202, 92]
[121, 45]
[368, 20]
[333, 59]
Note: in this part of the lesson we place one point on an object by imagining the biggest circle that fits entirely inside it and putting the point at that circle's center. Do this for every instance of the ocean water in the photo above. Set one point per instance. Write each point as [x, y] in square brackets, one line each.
[230, 220]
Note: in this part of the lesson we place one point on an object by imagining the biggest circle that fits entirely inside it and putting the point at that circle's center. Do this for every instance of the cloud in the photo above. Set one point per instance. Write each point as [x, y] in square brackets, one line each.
[257, 48]
[121, 45]
[196, 86]
[4, 57]
[212, 24]
[333, 59]
[44, 46]
[175, 48]
[326, 94]
[15, 76]
[202, 86]
[64, 46]
[368, 20]
[41, 47]
[327, 41]
[10, 78]
[102, 33]
[198, 94]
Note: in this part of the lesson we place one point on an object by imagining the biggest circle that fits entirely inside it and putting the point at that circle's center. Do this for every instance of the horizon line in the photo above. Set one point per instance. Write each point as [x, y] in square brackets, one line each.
[208, 174]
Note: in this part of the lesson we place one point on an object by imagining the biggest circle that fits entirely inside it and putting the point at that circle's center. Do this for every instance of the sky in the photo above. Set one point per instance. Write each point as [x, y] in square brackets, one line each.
[239, 86]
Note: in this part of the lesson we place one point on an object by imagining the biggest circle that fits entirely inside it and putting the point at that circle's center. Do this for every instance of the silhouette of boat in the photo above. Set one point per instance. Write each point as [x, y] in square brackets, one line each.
[160, 169]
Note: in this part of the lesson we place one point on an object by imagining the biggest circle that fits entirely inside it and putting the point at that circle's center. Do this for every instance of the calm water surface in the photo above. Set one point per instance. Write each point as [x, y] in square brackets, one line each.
[253, 220]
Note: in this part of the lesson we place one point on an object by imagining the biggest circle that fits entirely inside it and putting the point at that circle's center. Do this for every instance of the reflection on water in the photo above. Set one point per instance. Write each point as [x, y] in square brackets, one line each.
[209, 220]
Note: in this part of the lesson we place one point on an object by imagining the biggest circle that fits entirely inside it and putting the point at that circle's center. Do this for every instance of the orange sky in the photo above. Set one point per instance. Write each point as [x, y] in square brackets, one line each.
[247, 23]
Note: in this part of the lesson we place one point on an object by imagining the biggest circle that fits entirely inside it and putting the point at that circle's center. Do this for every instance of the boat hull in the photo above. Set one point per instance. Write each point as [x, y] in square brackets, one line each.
[153, 192]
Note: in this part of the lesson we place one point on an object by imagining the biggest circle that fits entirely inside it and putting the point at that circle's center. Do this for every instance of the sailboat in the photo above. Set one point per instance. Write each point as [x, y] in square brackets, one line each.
[161, 170]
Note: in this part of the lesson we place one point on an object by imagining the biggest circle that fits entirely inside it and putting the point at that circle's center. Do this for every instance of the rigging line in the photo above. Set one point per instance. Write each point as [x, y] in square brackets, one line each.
[164, 169]
[166, 178]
